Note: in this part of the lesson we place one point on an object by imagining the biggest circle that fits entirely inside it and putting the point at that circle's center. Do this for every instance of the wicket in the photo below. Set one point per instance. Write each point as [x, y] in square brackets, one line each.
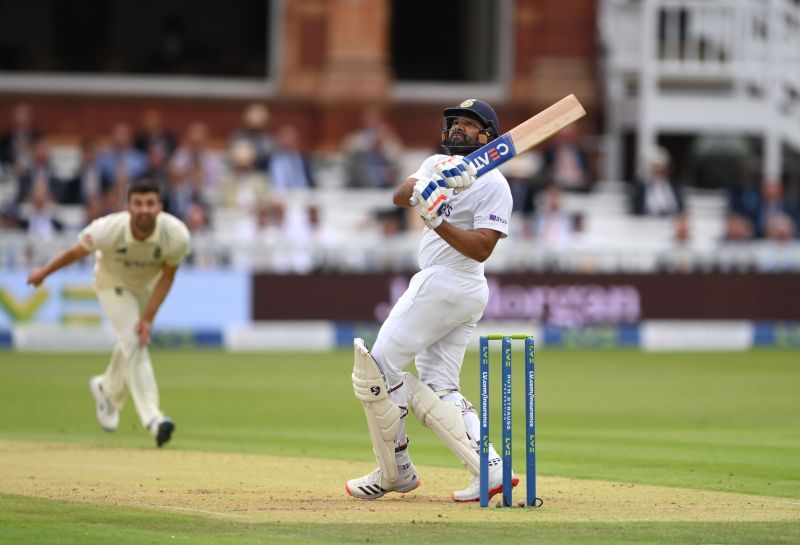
[530, 421]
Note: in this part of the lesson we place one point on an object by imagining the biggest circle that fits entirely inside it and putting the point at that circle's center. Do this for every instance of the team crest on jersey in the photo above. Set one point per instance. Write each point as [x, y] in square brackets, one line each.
[157, 252]
[467, 103]
[122, 250]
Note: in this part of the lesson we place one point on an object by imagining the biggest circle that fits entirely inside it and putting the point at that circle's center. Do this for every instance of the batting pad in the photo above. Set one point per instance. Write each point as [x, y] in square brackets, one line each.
[443, 418]
[383, 416]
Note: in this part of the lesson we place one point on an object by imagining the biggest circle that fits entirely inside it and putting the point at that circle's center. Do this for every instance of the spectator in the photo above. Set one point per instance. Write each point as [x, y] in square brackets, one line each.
[255, 120]
[391, 221]
[772, 205]
[744, 192]
[655, 193]
[738, 228]
[553, 227]
[680, 257]
[372, 153]
[157, 167]
[777, 254]
[87, 182]
[289, 168]
[780, 227]
[245, 186]
[17, 143]
[197, 217]
[565, 162]
[256, 234]
[38, 174]
[195, 161]
[179, 195]
[38, 217]
[304, 241]
[525, 183]
[88, 186]
[152, 133]
[121, 164]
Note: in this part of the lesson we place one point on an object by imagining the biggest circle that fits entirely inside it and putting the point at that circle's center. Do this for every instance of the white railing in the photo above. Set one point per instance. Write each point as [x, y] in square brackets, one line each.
[740, 57]
[706, 38]
[656, 252]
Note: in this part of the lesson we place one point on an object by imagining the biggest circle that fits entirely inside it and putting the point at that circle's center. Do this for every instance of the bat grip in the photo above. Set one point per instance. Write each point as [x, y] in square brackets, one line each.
[413, 200]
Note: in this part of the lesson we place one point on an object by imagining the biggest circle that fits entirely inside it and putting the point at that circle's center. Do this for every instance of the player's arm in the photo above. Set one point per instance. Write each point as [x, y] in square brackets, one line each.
[478, 244]
[160, 292]
[403, 193]
[67, 257]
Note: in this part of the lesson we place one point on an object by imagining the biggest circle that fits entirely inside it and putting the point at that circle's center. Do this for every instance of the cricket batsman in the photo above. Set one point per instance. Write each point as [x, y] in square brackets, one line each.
[432, 321]
[137, 253]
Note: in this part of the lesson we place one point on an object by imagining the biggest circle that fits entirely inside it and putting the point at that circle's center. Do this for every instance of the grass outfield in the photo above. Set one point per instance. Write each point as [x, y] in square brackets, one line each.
[632, 448]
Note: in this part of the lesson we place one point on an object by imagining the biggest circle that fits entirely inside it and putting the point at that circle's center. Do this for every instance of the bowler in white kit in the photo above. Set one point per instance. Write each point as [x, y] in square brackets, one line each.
[137, 254]
[432, 321]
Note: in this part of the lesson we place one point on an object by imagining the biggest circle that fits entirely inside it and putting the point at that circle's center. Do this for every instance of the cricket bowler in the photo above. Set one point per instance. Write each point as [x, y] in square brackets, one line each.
[137, 253]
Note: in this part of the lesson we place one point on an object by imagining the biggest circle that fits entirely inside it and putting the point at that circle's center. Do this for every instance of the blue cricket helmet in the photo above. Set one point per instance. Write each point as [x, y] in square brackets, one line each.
[476, 109]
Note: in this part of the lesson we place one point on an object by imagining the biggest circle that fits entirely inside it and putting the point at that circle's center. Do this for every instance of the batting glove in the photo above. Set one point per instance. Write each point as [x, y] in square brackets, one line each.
[431, 200]
[457, 173]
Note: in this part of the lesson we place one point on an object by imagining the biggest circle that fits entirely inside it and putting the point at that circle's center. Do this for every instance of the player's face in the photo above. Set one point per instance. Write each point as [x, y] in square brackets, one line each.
[144, 207]
[464, 130]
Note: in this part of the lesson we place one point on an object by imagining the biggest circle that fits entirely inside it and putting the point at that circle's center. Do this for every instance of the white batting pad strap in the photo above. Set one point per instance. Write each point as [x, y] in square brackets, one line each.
[383, 416]
[444, 419]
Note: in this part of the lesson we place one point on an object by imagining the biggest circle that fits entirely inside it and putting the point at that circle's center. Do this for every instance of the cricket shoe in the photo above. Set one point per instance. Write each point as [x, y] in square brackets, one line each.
[107, 414]
[162, 431]
[473, 491]
[372, 487]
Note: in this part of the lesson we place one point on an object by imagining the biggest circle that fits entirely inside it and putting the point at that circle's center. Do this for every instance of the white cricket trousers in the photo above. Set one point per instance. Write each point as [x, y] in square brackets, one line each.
[130, 363]
[432, 322]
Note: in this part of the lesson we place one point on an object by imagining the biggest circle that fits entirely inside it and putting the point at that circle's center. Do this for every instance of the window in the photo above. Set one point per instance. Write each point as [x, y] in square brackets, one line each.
[91, 41]
[449, 46]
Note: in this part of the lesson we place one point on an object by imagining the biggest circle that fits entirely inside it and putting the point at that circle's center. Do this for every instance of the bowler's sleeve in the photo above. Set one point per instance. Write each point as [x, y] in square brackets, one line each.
[181, 247]
[94, 235]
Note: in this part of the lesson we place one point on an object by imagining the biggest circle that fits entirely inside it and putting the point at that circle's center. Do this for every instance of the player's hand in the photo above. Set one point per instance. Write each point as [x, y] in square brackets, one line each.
[37, 276]
[431, 199]
[143, 328]
[457, 173]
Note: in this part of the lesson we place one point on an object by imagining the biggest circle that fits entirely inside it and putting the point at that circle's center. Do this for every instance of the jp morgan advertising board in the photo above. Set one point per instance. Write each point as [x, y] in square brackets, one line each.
[563, 300]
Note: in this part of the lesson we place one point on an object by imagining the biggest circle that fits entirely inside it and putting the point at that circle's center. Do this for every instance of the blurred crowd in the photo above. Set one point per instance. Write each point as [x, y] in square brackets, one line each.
[252, 181]
[256, 183]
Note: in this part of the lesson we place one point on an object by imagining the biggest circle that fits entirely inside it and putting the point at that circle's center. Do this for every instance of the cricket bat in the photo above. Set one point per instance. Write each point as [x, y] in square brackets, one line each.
[524, 136]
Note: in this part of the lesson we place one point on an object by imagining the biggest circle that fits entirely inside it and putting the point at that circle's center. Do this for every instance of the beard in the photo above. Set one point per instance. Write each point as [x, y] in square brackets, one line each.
[145, 222]
[457, 142]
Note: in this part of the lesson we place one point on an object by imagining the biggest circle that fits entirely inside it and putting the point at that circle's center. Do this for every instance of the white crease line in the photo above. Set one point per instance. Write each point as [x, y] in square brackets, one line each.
[782, 502]
[189, 509]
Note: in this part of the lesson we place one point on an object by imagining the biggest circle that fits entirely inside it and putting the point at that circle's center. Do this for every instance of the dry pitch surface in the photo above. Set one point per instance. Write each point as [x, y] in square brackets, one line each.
[252, 488]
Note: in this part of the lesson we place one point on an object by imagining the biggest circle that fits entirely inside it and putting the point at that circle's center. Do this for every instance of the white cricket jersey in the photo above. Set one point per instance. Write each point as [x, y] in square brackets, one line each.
[123, 261]
[486, 204]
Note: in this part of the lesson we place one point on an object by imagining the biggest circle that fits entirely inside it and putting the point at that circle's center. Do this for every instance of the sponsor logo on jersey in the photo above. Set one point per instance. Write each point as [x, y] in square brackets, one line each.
[498, 219]
[138, 263]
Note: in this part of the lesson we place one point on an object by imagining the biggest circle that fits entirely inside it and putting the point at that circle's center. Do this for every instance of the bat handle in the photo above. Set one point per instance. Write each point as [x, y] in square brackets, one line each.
[413, 200]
